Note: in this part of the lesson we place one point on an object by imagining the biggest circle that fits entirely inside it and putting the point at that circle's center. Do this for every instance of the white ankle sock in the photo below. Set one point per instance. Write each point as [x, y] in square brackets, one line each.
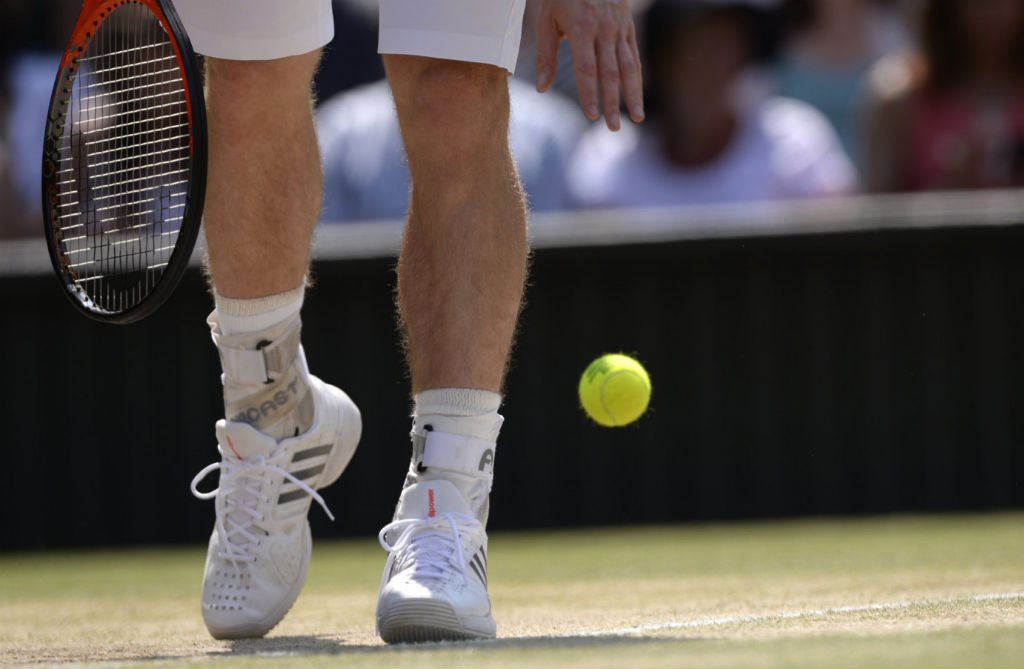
[457, 401]
[250, 316]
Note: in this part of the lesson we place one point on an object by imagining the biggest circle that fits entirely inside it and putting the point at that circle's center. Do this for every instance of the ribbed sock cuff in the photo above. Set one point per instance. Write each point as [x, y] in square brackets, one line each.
[464, 411]
[250, 316]
[456, 402]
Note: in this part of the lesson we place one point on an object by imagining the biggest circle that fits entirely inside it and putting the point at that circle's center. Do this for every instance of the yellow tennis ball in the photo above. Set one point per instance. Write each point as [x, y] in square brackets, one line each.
[615, 390]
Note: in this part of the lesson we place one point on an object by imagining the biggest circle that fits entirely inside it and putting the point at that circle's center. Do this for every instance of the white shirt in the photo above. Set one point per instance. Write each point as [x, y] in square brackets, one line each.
[366, 176]
[783, 148]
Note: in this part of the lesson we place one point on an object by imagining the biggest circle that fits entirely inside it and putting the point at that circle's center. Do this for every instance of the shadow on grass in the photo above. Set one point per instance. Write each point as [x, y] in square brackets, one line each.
[327, 645]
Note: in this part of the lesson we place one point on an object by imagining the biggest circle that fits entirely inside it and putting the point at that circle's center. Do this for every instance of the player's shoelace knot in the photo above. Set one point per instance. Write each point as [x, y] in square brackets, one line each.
[431, 547]
[238, 498]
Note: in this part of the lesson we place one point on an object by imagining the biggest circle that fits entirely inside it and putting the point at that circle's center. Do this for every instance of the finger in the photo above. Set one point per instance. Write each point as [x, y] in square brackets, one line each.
[632, 80]
[584, 62]
[607, 64]
[547, 51]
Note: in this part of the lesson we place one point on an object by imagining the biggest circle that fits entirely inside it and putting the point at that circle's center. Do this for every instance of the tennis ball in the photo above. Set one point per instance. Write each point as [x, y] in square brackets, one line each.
[615, 390]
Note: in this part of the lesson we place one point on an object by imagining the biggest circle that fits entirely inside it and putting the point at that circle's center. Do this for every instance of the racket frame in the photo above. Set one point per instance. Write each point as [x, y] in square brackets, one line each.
[89, 19]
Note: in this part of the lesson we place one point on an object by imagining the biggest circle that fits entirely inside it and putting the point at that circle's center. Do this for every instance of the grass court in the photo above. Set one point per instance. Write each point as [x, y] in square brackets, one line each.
[895, 591]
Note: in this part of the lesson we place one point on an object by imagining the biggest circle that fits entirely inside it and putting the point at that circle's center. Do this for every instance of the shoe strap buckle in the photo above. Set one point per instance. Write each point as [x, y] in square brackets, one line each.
[455, 452]
[262, 364]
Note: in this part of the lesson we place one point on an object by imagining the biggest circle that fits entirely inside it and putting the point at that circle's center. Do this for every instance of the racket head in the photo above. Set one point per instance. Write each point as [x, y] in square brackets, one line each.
[124, 159]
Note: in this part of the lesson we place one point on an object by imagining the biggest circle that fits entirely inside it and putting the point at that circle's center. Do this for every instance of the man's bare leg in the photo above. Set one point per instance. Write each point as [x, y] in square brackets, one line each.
[460, 284]
[264, 188]
[286, 433]
[463, 261]
[263, 199]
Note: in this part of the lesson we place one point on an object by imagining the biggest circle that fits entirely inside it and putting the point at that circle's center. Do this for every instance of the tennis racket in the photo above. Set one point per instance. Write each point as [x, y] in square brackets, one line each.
[124, 159]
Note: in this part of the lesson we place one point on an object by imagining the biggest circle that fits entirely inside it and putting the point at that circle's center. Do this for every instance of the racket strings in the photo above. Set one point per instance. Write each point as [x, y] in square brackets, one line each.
[125, 157]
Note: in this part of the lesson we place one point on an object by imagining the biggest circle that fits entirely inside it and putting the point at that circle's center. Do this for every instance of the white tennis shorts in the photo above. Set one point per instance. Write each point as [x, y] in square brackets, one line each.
[479, 31]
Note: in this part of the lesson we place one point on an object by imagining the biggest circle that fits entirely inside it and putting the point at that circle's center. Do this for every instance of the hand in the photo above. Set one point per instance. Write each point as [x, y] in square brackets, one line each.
[603, 42]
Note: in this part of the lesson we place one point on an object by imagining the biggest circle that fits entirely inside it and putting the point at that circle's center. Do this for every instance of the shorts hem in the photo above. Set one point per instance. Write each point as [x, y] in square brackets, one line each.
[258, 47]
[448, 46]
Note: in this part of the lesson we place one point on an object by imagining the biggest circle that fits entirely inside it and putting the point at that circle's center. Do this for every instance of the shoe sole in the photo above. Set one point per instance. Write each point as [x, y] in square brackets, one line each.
[428, 620]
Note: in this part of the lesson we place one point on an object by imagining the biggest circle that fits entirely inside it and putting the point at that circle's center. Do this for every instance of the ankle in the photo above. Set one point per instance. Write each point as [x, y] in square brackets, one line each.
[265, 378]
[454, 437]
[253, 316]
[462, 411]
[456, 430]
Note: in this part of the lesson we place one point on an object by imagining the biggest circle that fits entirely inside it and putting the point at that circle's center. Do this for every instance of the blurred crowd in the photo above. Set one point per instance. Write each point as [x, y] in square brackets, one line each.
[747, 100]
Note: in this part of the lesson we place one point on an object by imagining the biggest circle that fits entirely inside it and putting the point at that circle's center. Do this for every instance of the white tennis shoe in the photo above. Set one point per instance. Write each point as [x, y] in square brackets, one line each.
[435, 580]
[434, 586]
[260, 547]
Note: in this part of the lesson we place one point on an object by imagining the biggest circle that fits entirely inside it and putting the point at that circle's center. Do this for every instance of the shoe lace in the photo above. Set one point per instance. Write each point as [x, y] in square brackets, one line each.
[238, 499]
[431, 547]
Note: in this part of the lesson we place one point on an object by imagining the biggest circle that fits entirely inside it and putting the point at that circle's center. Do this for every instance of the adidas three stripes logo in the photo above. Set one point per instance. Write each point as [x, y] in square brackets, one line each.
[478, 564]
[304, 474]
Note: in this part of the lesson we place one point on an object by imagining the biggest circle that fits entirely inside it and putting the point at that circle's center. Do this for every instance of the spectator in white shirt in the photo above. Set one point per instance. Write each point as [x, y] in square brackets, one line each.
[711, 135]
[365, 173]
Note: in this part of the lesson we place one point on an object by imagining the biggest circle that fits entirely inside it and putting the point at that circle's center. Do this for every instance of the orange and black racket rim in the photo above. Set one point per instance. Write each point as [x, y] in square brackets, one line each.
[124, 159]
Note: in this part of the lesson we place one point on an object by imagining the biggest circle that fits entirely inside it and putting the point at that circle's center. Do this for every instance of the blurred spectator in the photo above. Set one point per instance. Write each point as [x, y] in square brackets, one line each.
[831, 47]
[29, 78]
[14, 219]
[365, 174]
[952, 114]
[32, 36]
[351, 58]
[10, 223]
[711, 136]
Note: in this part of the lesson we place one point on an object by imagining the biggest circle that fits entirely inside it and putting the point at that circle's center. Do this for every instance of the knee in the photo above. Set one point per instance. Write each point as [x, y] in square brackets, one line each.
[452, 102]
[448, 87]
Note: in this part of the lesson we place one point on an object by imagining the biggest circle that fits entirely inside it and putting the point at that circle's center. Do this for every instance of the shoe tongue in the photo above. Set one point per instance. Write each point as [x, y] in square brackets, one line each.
[428, 499]
[241, 441]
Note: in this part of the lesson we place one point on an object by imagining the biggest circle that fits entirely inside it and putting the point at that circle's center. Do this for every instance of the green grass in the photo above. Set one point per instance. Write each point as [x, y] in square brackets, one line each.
[797, 593]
